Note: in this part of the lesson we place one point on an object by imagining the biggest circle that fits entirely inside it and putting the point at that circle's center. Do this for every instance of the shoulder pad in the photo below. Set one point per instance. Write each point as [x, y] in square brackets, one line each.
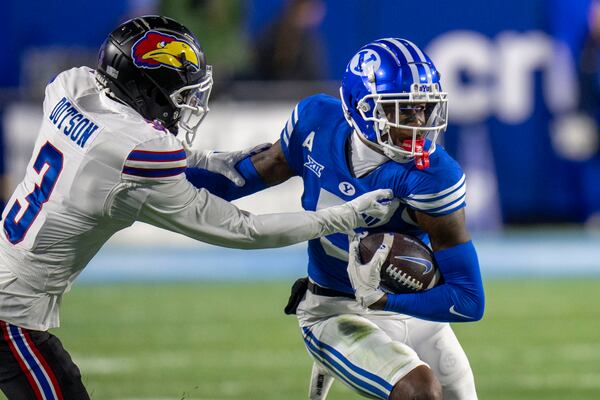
[310, 109]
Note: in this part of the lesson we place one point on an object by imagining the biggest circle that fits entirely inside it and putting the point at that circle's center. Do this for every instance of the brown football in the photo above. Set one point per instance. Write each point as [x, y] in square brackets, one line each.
[410, 266]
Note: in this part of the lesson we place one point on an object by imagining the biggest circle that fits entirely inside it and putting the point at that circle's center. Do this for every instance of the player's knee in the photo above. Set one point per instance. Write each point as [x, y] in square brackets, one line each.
[418, 384]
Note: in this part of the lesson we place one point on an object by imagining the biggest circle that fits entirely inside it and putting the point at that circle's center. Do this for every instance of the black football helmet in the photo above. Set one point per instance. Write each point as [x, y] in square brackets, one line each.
[156, 65]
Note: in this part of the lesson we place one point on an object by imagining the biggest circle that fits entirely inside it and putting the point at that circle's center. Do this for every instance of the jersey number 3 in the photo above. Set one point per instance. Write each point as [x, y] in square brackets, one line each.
[48, 156]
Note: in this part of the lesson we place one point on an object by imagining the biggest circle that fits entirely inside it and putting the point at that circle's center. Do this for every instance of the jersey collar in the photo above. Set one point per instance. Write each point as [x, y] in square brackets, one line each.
[363, 159]
[117, 107]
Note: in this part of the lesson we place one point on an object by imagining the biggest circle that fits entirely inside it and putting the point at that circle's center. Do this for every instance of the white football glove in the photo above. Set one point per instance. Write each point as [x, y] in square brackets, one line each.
[223, 162]
[374, 208]
[365, 278]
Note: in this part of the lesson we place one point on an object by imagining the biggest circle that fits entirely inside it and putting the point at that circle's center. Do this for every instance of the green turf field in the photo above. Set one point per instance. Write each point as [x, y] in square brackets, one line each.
[538, 340]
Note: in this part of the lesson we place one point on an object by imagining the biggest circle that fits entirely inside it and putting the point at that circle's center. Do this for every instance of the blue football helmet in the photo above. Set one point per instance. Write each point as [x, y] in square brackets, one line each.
[385, 80]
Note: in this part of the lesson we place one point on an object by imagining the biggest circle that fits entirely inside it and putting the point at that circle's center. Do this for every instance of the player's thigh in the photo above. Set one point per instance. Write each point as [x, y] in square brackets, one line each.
[360, 354]
[438, 346]
[35, 365]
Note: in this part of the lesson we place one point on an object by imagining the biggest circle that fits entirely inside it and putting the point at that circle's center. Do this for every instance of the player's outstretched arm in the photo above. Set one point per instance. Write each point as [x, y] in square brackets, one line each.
[264, 168]
[154, 190]
[461, 297]
[174, 204]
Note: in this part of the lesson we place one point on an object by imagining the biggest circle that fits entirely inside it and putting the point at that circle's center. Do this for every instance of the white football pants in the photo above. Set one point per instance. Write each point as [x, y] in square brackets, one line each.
[370, 351]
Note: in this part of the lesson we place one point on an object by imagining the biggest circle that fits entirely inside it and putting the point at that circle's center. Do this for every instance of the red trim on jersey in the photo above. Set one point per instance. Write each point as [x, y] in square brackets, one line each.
[158, 152]
[157, 156]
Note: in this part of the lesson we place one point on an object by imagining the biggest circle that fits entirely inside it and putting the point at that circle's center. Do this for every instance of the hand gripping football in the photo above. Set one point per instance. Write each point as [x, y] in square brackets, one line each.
[410, 266]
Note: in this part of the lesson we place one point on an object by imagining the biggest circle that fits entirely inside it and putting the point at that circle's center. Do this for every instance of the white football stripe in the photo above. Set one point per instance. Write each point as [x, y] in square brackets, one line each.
[288, 128]
[430, 205]
[386, 48]
[295, 115]
[41, 366]
[332, 250]
[344, 369]
[286, 138]
[156, 165]
[422, 58]
[340, 374]
[456, 204]
[438, 194]
[410, 44]
[291, 123]
[35, 359]
[409, 58]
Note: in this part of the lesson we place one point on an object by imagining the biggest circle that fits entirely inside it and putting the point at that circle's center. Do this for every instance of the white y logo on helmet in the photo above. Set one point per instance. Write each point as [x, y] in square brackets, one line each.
[365, 61]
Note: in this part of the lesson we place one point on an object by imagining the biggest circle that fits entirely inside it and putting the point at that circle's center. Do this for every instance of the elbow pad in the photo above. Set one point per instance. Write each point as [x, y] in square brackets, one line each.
[459, 299]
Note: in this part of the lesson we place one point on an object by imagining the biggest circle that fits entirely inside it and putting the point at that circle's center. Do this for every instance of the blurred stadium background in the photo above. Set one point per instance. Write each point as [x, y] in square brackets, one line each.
[158, 316]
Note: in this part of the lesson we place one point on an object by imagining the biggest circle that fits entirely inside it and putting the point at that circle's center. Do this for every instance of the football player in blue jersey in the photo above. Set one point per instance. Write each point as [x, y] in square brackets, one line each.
[382, 134]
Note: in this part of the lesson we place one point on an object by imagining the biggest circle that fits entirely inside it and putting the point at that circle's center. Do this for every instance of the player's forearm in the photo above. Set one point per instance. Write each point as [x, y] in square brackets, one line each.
[200, 215]
[195, 158]
[221, 186]
[446, 303]
[277, 230]
[459, 299]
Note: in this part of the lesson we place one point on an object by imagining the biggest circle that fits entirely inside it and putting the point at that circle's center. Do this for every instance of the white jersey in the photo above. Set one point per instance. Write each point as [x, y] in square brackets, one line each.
[98, 166]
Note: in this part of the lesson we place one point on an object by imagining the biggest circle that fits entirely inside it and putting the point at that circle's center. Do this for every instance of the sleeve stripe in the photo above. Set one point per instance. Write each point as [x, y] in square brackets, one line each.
[285, 136]
[432, 196]
[158, 152]
[439, 202]
[455, 205]
[156, 164]
[157, 156]
[295, 115]
[289, 126]
[153, 173]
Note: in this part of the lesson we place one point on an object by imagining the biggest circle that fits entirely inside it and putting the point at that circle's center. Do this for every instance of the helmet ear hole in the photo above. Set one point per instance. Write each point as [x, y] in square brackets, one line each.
[163, 110]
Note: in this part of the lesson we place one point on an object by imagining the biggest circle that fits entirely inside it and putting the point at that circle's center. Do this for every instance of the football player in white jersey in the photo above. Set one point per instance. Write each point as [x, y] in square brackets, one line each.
[106, 156]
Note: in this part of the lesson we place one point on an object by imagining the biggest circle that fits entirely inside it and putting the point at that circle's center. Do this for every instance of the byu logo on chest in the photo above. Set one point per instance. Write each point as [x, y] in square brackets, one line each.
[314, 166]
[346, 188]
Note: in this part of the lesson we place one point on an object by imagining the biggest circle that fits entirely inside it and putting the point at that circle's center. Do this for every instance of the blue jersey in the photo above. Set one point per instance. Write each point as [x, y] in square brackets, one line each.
[314, 142]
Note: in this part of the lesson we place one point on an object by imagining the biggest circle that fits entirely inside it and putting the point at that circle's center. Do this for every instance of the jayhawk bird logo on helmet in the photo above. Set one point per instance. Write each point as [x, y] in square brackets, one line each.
[157, 49]
[392, 96]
